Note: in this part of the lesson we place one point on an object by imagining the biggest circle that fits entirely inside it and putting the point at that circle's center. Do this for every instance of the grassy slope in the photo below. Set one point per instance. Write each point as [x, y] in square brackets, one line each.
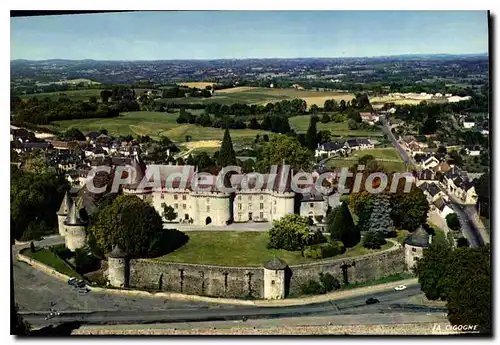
[241, 249]
[50, 259]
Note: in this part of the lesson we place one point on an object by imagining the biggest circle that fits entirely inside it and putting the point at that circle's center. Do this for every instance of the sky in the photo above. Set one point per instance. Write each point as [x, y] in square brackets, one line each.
[247, 34]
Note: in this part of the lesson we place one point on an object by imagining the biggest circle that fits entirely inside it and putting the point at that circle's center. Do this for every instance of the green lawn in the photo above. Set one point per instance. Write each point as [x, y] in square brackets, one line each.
[50, 259]
[300, 124]
[155, 124]
[389, 153]
[341, 163]
[241, 249]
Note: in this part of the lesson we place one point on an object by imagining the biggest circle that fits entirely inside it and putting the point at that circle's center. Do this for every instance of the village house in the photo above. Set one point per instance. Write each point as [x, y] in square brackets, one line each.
[442, 167]
[458, 184]
[468, 123]
[330, 149]
[369, 118]
[430, 163]
[432, 192]
[473, 151]
[426, 175]
[442, 208]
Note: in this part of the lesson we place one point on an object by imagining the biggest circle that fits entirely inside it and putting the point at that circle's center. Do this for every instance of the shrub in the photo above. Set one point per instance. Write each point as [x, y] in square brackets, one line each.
[312, 253]
[329, 282]
[312, 287]
[317, 237]
[324, 250]
[373, 240]
[33, 232]
[61, 251]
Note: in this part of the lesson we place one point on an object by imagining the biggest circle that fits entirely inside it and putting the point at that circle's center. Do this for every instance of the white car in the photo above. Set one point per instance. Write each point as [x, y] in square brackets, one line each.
[400, 288]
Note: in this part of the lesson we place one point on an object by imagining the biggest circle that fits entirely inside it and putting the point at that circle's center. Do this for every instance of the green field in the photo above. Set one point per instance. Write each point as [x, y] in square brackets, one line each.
[388, 153]
[301, 123]
[241, 249]
[154, 124]
[259, 95]
[76, 95]
[341, 163]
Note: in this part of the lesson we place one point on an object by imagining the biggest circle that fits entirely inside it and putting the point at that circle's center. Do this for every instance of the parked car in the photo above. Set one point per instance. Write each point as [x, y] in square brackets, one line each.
[72, 281]
[372, 301]
[400, 288]
[80, 284]
[83, 291]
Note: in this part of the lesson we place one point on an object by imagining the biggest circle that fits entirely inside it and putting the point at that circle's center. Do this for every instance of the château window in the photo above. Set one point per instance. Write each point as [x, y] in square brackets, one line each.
[208, 208]
[175, 196]
[239, 197]
[249, 197]
[262, 215]
[239, 215]
[249, 206]
[184, 206]
[311, 205]
[239, 206]
[262, 197]
[162, 196]
[261, 205]
[184, 197]
[414, 249]
[176, 205]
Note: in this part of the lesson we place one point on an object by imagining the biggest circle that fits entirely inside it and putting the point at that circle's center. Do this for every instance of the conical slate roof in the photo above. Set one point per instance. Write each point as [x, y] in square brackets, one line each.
[65, 205]
[117, 252]
[419, 238]
[275, 264]
[74, 216]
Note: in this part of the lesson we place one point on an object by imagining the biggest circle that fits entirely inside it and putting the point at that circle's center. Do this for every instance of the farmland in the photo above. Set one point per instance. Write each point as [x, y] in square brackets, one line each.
[154, 124]
[256, 95]
[75, 95]
[301, 123]
[197, 84]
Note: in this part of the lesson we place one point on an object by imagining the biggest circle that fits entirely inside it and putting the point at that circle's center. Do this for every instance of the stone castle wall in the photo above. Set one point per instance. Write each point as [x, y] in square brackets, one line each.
[249, 281]
[205, 280]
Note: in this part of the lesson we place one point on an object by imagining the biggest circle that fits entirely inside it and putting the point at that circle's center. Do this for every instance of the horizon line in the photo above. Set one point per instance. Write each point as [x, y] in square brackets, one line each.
[261, 58]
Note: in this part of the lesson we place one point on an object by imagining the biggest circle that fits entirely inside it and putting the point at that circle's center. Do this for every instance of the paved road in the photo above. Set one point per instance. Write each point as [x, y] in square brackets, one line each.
[390, 302]
[404, 155]
[467, 221]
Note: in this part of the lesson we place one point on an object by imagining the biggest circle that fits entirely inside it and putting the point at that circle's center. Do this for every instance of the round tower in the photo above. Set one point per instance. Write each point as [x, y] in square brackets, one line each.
[414, 245]
[283, 204]
[75, 234]
[274, 278]
[117, 267]
[63, 212]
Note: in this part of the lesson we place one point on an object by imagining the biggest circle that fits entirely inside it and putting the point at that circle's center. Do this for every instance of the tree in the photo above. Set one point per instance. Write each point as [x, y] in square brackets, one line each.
[227, 156]
[365, 159]
[324, 136]
[331, 105]
[254, 124]
[291, 232]
[312, 134]
[314, 109]
[103, 131]
[462, 242]
[373, 240]
[452, 221]
[284, 149]
[380, 217]
[32, 247]
[462, 278]
[409, 210]
[168, 212]
[74, 134]
[325, 118]
[35, 197]
[455, 158]
[442, 150]
[341, 226]
[483, 195]
[130, 223]
[351, 124]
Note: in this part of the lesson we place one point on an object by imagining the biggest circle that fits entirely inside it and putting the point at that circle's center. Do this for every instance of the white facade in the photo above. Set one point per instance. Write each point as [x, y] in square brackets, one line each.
[468, 125]
[430, 163]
